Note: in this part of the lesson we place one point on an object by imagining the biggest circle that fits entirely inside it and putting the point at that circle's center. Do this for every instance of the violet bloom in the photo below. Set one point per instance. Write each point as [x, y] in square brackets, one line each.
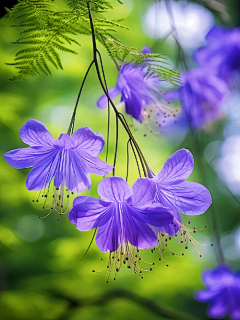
[201, 95]
[136, 89]
[221, 55]
[222, 292]
[69, 159]
[174, 192]
[122, 216]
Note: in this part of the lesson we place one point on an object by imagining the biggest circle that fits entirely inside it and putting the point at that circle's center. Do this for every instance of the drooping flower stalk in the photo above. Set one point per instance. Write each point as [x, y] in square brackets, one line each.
[121, 118]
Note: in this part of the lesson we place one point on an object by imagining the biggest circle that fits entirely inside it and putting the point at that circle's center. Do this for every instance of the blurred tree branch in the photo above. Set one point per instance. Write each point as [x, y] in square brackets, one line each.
[159, 309]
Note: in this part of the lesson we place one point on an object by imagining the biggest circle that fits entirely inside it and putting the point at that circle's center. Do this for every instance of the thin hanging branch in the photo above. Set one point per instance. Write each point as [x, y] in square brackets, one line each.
[145, 165]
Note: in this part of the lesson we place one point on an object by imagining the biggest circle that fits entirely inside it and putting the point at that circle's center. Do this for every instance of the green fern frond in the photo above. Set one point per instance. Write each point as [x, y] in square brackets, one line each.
[48, 31]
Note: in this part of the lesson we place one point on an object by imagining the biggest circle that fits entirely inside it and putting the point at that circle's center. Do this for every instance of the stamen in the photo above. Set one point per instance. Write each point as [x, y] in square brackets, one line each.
[127, 255]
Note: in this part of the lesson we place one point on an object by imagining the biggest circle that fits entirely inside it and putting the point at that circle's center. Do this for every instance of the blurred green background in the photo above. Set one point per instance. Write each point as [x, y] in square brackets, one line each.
[42, 275]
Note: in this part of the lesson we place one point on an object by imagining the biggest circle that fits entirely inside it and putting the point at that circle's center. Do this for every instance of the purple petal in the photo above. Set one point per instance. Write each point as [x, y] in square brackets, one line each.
[176, 169]
[91, 142]
[90, 213]
[104, 236]
[137, 232]
[190, 198]
[173, 228]
[154, 214]
[93, 164]
[72, 216]
[146, 49]
[64, 141]
[218, 309]
[75, 172]
[235, 314]
[114, 189]
[35, 133]
[214, 277]
[25, 157]
[215, 33]
[144, 192]
[41, 175]
[103, 101]
[205, 295]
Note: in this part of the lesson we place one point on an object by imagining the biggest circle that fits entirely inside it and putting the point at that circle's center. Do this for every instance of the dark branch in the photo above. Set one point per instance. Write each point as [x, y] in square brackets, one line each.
[158, 309]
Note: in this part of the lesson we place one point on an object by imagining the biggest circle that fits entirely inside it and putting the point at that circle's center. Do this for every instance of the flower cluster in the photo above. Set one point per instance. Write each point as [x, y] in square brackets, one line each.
[222, 292]
[143, 216]
[127, 218]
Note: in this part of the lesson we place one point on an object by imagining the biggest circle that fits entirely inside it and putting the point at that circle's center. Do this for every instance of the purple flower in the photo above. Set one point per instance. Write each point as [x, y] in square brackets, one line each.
[122, 216]
[137, 89]
[201, 95]
[221, 53]
[174, 192]
[69, 159]
[222, 292]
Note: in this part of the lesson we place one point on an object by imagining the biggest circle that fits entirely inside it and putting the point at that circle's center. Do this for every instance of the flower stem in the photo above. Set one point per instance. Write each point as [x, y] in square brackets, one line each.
[71, 125]
[118, 114]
